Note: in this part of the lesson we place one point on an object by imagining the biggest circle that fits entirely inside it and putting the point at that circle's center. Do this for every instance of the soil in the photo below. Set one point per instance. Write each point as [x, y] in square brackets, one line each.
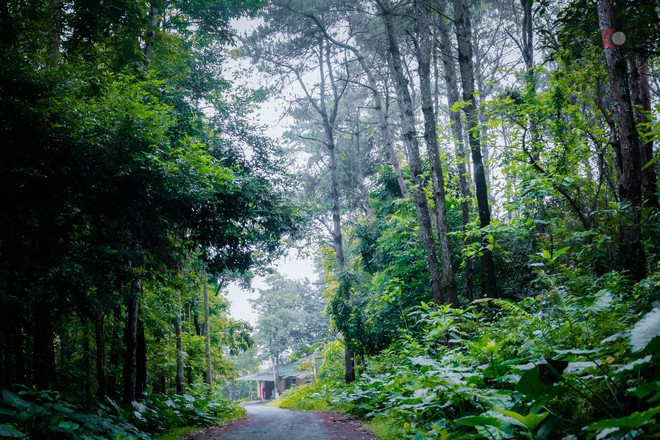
[269, 423]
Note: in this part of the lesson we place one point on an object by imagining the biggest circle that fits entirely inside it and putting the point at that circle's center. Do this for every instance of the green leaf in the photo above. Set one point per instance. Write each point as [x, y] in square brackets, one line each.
[530, 421]
[559, 252]
[651, 162]
[645, 331]
[9, 431]
[479, 421]
[643, 390]
[635, 420]
[531, 385]
[14, 400]
[68, 426]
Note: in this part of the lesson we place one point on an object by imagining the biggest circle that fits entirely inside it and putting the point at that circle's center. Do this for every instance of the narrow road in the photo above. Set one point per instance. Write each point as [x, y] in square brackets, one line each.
[268, 423]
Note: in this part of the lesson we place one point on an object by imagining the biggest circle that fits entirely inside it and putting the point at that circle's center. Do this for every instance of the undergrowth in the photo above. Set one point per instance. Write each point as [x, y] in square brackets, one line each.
[30, 414]
[581, 360]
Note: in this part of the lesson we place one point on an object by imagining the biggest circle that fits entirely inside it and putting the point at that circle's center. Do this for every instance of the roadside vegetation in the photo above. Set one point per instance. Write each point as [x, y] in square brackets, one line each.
[578, 360]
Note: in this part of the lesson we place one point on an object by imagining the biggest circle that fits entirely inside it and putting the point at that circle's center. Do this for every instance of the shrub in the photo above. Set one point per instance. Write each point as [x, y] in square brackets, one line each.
[26, 413]
[576, 360]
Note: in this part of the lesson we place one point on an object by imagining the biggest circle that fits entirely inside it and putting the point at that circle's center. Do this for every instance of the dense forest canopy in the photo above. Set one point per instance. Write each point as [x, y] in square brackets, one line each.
[477, 179]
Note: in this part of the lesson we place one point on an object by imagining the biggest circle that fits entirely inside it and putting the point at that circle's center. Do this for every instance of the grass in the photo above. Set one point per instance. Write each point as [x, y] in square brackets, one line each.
[178, 433]
[303, 397]
[237, 412]
[385, 428]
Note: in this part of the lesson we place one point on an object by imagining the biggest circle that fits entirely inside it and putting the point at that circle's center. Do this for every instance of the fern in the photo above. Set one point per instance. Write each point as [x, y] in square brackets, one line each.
[513, 309]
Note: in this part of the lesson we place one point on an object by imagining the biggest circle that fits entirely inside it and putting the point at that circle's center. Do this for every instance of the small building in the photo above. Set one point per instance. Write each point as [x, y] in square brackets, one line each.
[288, 376]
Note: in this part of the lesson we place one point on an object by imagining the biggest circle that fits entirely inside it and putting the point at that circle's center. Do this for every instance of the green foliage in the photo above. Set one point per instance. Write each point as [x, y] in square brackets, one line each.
[577, 362]
[291, 316]
[112, 173]
[303, 397]
[46, 415]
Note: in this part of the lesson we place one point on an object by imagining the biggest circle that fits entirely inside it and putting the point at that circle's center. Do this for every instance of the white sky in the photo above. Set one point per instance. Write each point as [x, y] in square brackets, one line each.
[290, 266]
[241, 72]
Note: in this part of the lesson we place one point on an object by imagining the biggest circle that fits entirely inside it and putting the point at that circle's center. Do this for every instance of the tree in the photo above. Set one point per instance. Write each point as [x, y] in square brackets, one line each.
[295, 60]
[424, 48]
[628, 145]
[290, 315]
[114, 173]
[412, 147]
[464, 40]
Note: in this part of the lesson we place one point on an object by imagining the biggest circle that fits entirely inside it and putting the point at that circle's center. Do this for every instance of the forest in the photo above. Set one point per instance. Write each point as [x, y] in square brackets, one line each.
[475, 182]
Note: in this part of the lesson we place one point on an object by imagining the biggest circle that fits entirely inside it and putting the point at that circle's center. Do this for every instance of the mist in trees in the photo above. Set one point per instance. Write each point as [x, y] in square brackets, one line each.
[437, 153]
[291, 318]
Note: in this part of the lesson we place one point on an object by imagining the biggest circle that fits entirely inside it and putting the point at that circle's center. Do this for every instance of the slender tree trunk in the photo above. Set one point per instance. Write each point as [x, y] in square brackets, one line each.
[641, 99]
[329, 119]
[131, 342]
[378, 104]
[464, 40]
[115, 357]
[150, 40]
[424, 50]
[462, 160]
[43, 356]
[55, 37]
[99, 326]
[451, 84]
[409, 136]
[528, 35]
[633, 259]
[180, 375]
[87, 363]
[208, 373]
[141, 358]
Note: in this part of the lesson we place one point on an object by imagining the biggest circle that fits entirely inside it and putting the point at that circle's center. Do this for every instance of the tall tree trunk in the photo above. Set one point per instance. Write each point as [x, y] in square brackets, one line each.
[633, 259]
[451, 84]
[141, 358]
[528, 35]
[378, 103]
[99, 327]
[87, 363]
[180, 376]
[208, 372]
[424, 50]
[131, 342]
[409, 136]
[464, 40]
[641, 99]
[150, 40]
[55, 37]
[115, 356]
[43, 354]
[329, 120]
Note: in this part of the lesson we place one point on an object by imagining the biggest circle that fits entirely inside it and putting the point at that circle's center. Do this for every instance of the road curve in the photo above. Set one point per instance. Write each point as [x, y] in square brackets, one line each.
[269, 423]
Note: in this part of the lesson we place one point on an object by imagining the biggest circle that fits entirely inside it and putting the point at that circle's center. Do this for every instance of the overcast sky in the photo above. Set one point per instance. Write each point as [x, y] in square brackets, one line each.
[292, 267]
[268, 114]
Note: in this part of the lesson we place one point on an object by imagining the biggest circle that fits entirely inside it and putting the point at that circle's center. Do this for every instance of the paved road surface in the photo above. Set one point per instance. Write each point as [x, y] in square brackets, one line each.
[268, 423]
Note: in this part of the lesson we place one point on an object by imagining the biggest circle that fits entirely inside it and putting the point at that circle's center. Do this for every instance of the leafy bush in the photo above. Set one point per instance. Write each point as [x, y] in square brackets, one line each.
[46, 415]
[582, 359]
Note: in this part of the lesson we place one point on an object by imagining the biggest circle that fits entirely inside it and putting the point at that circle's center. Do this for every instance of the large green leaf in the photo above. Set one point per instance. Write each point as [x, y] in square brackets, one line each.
[633, 421]
[479, 421]
[645, 331]
[8, 431]
[530, 421]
